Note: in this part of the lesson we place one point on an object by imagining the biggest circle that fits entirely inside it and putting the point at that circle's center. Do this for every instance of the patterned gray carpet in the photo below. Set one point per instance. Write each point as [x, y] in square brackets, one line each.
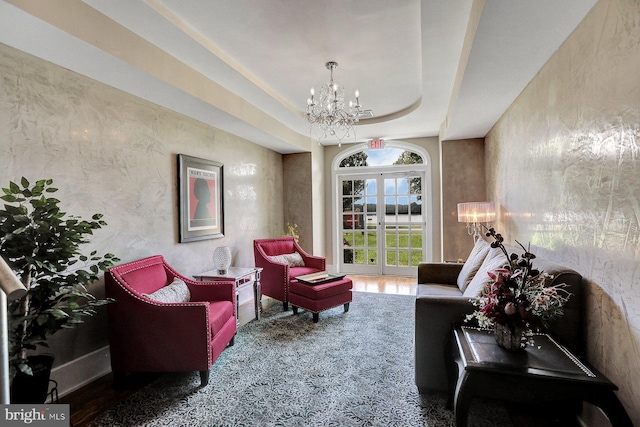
[350, 369]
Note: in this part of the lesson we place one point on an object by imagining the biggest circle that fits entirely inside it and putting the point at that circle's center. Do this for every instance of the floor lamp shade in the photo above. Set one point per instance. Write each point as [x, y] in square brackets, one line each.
[476, 212]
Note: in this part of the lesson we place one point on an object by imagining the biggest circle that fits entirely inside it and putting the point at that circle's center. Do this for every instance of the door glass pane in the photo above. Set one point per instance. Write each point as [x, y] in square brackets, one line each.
[347, 188]
[416, 257]
[391, 236]
[390, 206]
[372, 239]
[373, 257]
[403, 258]
[348, 256]
[391, 257]
[348, 221]
[347, 238]
[403, 237]
[390, 186]
[403, 186]
[372, 187]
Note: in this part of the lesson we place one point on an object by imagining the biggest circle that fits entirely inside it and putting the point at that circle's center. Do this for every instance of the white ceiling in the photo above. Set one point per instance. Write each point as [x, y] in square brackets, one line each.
[446, 68]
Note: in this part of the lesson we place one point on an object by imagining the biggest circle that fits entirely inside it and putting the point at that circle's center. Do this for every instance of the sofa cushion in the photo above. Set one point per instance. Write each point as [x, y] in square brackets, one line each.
[177, 291]
[293, 259]
[437, 290]
[473, 263]
[495, 259]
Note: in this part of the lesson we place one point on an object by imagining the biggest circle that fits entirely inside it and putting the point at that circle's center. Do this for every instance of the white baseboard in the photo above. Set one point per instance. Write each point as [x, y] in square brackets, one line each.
[81, 371]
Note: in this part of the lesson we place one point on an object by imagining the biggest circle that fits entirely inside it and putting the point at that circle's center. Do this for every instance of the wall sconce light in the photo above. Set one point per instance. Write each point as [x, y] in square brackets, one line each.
[475, 213]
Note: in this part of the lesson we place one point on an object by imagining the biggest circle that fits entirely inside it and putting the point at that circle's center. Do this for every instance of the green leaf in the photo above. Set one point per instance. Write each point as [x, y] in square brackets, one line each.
[42, 319]
[25, 182]
[58, 314]
[26, 369]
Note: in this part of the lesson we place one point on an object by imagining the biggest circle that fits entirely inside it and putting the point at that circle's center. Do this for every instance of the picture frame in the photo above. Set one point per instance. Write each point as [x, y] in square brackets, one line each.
[201, 202]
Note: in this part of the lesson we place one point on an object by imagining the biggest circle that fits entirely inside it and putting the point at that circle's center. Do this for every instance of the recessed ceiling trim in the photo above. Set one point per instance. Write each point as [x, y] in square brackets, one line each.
[197, 36]
[387, 117]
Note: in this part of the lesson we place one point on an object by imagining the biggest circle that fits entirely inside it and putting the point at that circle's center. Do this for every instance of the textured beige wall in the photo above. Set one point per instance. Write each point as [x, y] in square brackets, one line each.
[462, 181]
[113, 153]
[564, 164]
[298, 200]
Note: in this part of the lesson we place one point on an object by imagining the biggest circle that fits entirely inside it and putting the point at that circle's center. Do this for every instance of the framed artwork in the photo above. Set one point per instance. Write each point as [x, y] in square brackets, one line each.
[200, 187]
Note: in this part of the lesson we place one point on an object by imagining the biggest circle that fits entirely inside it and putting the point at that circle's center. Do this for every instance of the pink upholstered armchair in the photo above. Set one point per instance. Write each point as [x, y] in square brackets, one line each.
[281, 265]
[157, 324]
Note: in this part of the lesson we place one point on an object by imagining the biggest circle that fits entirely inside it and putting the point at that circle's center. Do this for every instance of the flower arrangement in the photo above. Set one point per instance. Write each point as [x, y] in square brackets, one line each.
[516, 295]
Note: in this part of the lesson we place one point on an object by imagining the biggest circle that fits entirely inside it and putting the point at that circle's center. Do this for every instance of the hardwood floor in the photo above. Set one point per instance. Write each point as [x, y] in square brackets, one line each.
[91, 400]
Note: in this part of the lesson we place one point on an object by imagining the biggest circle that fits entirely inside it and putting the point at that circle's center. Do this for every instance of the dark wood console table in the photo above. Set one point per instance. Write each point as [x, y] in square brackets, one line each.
[546, 372]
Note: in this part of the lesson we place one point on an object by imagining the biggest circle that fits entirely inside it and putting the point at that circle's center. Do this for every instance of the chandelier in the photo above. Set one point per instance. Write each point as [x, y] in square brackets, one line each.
[327, 116]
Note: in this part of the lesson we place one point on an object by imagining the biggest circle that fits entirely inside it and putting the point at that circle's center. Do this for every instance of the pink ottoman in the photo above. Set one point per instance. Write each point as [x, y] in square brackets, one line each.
[316, 298]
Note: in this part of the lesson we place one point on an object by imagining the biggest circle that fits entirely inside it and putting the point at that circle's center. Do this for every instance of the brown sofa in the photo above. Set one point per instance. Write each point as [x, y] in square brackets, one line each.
[440, 302]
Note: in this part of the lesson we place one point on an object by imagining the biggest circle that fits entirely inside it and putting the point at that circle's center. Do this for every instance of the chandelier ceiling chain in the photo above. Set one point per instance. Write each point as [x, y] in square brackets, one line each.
[329, 115]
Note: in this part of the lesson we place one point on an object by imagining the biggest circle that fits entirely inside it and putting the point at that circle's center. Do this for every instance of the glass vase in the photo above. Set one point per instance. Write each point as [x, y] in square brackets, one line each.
[511, 338]
[222, 259]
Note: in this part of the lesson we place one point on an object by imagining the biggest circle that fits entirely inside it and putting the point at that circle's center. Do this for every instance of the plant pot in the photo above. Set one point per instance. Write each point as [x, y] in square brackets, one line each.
[33, 388]
[511, 338]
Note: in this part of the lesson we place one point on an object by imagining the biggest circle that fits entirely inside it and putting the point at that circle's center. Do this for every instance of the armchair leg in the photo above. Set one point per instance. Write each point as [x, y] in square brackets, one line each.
[285, 306]
[295, 309]
[204, 378]
[346, 307]
[232, 342]
[316, 317]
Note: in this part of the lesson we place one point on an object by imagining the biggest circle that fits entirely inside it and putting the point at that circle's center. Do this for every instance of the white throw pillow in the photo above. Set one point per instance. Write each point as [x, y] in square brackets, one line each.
[177, 291]
[293, 260]
[495, 259]
[473, 263]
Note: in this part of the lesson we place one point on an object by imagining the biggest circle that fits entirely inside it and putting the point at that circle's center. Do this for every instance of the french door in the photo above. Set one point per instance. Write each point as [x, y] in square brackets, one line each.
[382, 224]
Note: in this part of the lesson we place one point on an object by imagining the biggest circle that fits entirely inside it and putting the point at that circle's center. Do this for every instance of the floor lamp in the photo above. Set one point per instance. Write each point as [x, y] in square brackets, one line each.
[10, 289]
[474, 214]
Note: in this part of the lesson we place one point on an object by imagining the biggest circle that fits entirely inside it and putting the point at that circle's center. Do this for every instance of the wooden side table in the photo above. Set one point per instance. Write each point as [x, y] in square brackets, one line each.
[243, 277]
[546, 372]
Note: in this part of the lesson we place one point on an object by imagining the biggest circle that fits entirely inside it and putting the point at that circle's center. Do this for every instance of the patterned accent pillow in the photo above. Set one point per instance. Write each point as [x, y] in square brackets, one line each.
[177, 291]
[293, 260]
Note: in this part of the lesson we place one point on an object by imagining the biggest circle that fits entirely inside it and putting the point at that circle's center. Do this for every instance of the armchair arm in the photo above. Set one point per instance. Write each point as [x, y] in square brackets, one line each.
[438, 272]
[312, 261]
[212, 291]
[435, 315]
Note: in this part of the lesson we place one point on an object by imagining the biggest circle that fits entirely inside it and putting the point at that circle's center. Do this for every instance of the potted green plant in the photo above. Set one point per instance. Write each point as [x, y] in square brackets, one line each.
[42, 243]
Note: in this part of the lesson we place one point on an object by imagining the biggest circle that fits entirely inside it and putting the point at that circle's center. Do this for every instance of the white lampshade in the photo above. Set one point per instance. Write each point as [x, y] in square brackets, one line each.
[476, 212]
